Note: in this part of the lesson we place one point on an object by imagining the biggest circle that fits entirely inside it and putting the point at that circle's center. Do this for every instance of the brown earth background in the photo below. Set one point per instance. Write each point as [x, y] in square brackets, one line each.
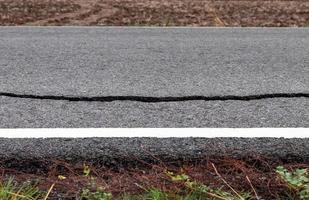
[242, 13]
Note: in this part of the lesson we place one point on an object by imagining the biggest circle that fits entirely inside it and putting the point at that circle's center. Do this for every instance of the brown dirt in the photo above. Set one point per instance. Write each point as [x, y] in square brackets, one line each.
[155, 12]
[19, 12]
[260, 171]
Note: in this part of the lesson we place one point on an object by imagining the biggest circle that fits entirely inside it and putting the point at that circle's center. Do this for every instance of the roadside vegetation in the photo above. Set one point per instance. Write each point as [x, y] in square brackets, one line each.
[223, 179]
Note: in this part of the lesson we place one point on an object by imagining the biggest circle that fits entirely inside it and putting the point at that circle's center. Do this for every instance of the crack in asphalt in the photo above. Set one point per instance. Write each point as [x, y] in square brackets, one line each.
[148, 99]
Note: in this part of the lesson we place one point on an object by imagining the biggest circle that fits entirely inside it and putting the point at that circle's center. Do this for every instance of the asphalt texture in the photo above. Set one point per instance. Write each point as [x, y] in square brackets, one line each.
[153, 61]
[34, 153]
[153, 77]
[28, 113]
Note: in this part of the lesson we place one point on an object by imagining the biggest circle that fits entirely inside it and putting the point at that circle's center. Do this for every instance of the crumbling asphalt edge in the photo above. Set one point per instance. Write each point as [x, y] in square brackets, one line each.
[119, 151]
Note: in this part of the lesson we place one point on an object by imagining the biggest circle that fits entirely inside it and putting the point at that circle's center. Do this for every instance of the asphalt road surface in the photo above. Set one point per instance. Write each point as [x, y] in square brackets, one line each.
[154, 77]
[36, 153]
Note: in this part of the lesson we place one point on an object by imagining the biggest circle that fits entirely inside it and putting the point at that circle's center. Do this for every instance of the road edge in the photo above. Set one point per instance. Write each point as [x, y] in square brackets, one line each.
[122, 151]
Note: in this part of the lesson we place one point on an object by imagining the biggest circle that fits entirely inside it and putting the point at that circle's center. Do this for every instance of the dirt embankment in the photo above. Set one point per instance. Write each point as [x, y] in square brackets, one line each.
[155, 12]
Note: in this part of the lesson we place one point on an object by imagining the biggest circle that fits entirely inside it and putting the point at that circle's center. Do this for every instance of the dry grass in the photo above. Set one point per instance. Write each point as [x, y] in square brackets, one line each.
[259, 171]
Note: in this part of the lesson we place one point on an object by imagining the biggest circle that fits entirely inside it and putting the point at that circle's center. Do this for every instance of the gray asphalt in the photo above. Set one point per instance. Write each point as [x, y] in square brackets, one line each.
[27, 113]
[29, 152]
[153, 62]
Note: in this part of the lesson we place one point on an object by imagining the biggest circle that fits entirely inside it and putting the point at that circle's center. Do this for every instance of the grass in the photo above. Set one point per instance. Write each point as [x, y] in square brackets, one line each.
[9, 190]
[160, 182]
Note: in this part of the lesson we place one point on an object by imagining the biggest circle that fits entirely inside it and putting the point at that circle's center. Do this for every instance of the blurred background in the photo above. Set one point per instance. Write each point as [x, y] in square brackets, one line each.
[230, 13]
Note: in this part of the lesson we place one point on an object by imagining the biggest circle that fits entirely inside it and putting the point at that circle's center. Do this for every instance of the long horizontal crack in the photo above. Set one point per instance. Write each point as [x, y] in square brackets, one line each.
[157, 99]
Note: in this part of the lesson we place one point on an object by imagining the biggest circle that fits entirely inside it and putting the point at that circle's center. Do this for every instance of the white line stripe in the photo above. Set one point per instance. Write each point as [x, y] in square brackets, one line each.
[155, 132]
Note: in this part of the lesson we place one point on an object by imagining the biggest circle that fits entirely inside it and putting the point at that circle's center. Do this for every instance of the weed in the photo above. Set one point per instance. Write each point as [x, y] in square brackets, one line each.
[92, 191]
[297, 180]
[86, 170]
[96, 195]
[9, 190]
[200, 190]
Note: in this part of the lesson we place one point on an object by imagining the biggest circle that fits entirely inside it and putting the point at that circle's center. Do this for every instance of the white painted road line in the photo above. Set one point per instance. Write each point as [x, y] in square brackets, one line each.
[155, 132]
